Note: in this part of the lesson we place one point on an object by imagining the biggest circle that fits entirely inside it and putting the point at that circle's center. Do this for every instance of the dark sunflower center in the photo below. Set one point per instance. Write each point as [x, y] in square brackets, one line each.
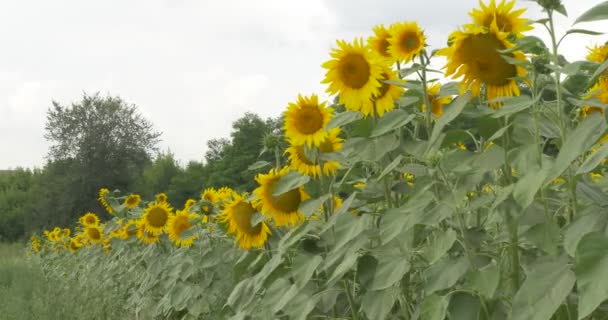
[327, 146]
[355, 71]
[243, 211]
[502, 22]
[384, 87]
[181, 224]
[90, 220]
[409, 41]
[131, 231]
[384, 44]
[287, 202]
[157, 217]
[131, 201]
[309, 119]
[93, 234]
[486, 63]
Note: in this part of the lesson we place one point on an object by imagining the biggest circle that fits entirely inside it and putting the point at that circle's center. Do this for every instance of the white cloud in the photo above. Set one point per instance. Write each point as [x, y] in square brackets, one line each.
[192, 66]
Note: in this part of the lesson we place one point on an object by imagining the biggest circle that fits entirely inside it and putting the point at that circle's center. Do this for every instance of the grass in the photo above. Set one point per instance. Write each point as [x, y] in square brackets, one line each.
[24, 293]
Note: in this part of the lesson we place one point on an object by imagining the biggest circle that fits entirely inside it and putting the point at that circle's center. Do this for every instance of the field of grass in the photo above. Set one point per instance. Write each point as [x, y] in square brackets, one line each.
[24, 293]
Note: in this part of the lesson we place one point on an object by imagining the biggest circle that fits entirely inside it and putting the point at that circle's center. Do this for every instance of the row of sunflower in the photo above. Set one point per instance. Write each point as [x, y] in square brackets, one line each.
[419, 200]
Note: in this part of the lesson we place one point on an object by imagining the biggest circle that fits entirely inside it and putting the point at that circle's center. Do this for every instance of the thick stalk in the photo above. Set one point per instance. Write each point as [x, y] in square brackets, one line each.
[351, 301]
[514, 250]
[427, 101]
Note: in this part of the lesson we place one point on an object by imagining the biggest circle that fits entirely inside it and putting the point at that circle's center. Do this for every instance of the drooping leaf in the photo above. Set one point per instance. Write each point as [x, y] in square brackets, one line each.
[438, 244]
[434, 307]
[389, 270]
[444, 274]
[258, 165]
[591, 272]
[514, 105]
[290, 181]
[392, 120]
[390, 167]
[584, 224]
[598, 12]
[310, 206]
[594, 160]
[485, 280]
[343, 118]
[377, 304]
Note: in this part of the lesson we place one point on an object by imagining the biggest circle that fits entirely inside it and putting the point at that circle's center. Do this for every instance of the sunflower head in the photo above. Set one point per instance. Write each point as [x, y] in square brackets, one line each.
[89, 219]
[506, 19]
[161, 197]
[379, 41]
[146, 236]
[179, 223]
[66, 232]
[407, 40]
[305, 120]
[436, 102]
[598, 53]
[599, 91]
[75, 244]
[94, 234]
[103, 192]
[132, 201]
[300, 161]
[189, 204]
[353, 73]
[210, 195]
[474, 56]
[237, 216]
[129, 229]
[156, 216]
[284, 208]
[384, 101]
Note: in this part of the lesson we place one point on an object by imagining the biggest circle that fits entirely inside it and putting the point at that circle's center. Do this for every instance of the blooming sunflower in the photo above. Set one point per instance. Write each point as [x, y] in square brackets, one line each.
[507, 19]
[384, 101]
[189, 204]
[161, 197]
[156, 216]
[146, 236]
[474, 56]
[379, 42]
[103, 192]
[353, 73]
[66, 232]
[406, 41]
[598, 91]
[129, 229]
[132, 201]
[75, 244]
[305, 121]
[89, 220]
[237, 215]
[94, 234]
[436, 102]
[177, 224]
[283, 208]
[301, 163]
[210, 194]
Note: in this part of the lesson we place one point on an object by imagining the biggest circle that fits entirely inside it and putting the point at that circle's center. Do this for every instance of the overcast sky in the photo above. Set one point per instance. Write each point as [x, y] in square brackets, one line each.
[193, 66]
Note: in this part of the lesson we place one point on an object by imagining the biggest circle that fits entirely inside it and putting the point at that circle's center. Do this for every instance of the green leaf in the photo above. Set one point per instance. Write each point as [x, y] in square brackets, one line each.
[392, 120]
[434, 307]
[452, 111]
[583, 31]
[527, 187]
[485, 280]
[377, 304]
[499, 133]
[290, 181]
[545, 288]
[406, 101]
[577, 143]
[513, 105]
[584, 224]
[594, 160]
[348, 262]
[343, 118]
[258, 165]
[592, 193]
[444, 274]
[464, 306]
[389, 270]
[439, 242]
[593, 79]
[390, 167]
[188, 233]
[310, 206]
[599, 12]
[301, 305]
[591, 269]
[545, 236]
[304, 267]
[394, 221]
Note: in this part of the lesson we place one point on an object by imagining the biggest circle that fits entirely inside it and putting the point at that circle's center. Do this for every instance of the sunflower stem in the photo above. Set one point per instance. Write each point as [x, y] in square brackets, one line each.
[277, 157]
[427, 101]
[351, 301]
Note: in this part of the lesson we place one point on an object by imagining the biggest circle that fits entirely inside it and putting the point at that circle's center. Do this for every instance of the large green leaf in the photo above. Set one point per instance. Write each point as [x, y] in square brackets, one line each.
[390, 167]
[514, 105]
[434, 307]
[377, 304]
[591, 272]
[303, 267]
[444, 274]
[545, 236]
[290, 181]
[584, 224]
[546, 286]
[438, 244]
[577, 142]
[452, 111]
[527, 187]
[394, 221]
[392, 120]
[598, 12]
[464, 306]
[310, 206]
[594, 160]
[485, 280]
[389, 270]
[343, 118]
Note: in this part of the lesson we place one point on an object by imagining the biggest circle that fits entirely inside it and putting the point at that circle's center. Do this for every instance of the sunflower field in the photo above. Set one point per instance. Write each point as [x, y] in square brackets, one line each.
[477, 191]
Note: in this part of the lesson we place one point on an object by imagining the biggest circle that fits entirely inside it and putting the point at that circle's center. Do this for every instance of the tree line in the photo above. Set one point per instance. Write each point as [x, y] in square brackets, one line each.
[105, 142]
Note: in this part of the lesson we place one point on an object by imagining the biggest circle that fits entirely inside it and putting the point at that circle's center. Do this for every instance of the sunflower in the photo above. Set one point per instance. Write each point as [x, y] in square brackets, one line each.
[305, 121]
[132, 201]
[161, 198]
[156, 216]
[353, 73]
[436, 102]
[36, 243]
[507, 19]
[379, 42]
[474, 56]
[406, 41]
[384, 101]
[94, 234]
[129, 229]
[74, 245]
[179, 223]
[598, 91]
[146, 236]
[89, 220]
[301, 163]
[599, 54]
[103, 192]
[66, 232]
[282, 208]
[210, 194]
[189, 204]
[237, 215]
[225, 193]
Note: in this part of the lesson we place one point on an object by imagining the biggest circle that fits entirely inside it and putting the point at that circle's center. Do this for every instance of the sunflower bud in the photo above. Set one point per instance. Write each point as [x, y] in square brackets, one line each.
[555, 5]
